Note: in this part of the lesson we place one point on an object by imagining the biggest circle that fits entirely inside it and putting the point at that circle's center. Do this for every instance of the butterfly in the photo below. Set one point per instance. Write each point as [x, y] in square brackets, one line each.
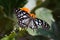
[29, 20]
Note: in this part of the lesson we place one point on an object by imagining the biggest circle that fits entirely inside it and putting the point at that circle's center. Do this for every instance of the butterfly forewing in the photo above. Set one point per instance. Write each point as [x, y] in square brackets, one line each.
[23, 18]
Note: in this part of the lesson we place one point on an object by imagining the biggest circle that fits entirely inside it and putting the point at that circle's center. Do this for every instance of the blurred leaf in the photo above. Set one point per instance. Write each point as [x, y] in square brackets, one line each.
[10, 5]
[39, 31]
[2, 14]
[40, 37]
[6, 14]
[6, 26]
[22, 33]
[31, 32]
[10, 37]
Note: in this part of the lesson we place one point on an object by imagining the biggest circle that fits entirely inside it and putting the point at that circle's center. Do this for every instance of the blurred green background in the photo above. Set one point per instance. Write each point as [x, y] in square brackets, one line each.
[48, 10]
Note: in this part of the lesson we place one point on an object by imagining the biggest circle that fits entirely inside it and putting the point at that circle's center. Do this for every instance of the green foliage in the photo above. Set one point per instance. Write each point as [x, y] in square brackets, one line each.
[6, 15]
[6, 25]
[10, 37]
[10, 5]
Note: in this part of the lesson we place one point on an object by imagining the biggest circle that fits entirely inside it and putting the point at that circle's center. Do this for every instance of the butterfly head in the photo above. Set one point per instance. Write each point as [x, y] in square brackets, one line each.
[25, 9]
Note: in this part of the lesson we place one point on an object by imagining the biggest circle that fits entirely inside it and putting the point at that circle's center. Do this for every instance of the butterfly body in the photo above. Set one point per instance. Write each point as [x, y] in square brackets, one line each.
[29, 20]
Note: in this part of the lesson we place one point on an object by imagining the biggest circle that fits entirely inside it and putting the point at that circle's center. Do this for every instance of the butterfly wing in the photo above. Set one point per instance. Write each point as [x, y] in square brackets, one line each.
[23, 18]
[32, 24]
[42, 23]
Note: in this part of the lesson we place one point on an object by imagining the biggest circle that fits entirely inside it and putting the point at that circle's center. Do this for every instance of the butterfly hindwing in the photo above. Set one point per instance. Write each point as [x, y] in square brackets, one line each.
[32, 24]
[42, 23]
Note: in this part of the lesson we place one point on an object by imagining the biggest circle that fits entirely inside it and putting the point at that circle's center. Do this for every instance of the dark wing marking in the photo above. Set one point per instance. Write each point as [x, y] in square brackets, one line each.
[32, 24]
[42, 23]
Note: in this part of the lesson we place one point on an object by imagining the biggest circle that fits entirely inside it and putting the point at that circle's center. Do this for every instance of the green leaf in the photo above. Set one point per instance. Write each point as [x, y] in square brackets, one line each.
[6, 26]
[10, 37]
[10, 5]
[6, 14]
[1, 12]
[39, 31]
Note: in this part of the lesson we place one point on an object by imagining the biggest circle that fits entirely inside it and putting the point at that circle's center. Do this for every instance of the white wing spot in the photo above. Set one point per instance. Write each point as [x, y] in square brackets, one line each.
[24, 13]
[24, 16]
[36, 22]
[23, 21]
[18, 15]
[21, 17]
[20, 21]
[16, 10]
[21, 14]
[40, 23]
